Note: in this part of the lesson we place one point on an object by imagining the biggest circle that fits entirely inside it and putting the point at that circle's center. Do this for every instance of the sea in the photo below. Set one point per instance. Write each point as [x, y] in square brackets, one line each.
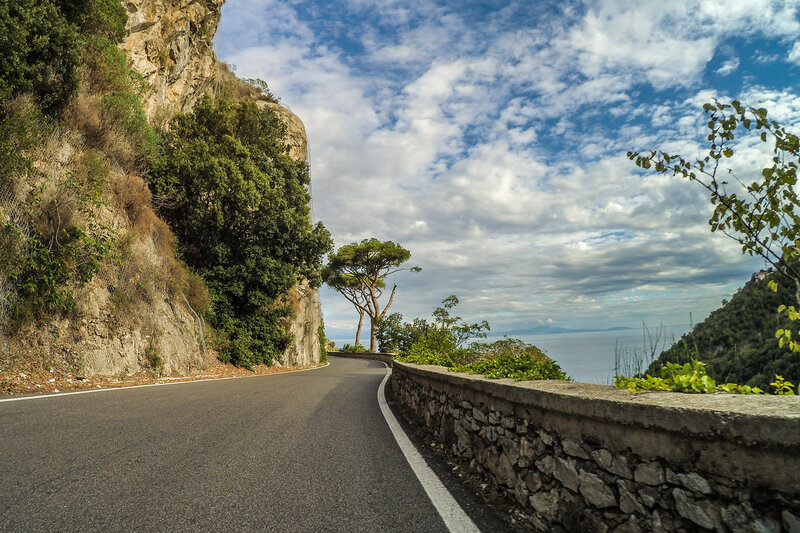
[591, 356]
[596, 356]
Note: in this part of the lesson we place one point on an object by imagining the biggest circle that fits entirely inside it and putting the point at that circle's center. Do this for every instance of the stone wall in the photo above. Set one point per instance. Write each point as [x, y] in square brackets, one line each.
[580, 457]
[387, 358]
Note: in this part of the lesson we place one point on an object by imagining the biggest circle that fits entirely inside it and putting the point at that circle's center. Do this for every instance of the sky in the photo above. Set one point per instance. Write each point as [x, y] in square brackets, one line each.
[489, 138]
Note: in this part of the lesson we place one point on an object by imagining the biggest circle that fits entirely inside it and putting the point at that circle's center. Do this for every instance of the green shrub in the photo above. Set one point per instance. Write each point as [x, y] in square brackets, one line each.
[690, 377]
[507, 358]
[518, 367]
[97, 17]
[22, 127]
[40, 52]
[153, 359]
[353, 348]
[323, 342]
[421, 355]
[61, 253]
[123, 123]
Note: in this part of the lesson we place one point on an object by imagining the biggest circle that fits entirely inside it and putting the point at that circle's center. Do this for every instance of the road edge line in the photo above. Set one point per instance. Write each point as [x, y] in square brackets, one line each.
[128, 387]
[454, 517]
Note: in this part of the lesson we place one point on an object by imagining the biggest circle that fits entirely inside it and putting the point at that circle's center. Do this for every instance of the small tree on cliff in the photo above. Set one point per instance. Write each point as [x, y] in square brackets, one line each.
[358, 271]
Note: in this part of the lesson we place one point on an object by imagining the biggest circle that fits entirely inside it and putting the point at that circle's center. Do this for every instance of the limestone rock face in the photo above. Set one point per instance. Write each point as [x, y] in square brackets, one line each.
[296, 131]
[169, 44]
[304, 326]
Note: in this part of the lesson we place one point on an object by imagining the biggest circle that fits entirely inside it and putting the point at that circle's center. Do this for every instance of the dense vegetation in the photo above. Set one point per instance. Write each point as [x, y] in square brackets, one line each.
[51, 239]
[40, 51]
[238, 205]
[737, 341]
[446, 342]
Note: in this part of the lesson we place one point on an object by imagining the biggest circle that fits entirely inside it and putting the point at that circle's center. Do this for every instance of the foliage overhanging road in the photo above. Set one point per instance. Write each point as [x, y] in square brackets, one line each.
[307, 451]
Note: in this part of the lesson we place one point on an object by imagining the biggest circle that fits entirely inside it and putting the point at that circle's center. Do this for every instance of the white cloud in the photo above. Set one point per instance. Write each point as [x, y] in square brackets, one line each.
[728, 67]
[494, 148]
[794, 54]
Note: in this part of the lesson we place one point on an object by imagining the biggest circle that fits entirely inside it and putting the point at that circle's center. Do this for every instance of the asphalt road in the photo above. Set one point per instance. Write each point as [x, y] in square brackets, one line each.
[307, 451]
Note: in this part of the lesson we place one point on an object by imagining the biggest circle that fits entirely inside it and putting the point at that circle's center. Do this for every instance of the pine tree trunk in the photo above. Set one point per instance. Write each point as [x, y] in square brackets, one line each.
[373, 330]
[358, 331]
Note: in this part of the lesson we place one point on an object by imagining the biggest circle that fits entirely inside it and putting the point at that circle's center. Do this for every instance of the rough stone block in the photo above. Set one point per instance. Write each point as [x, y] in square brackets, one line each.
[478, 415]
[688, 509]
[648, 496]
[510, 448]
[631, 526]
[628, 502]
[488, 433]
[565, 472]
[526, 453]
[695, 482]
[545, 503]
[649, 473]
[595, 491]
[574, 449]
[603, 458]
[545, 436]
[619, 467]
[533, 481]
[546, 465]
[462, 438]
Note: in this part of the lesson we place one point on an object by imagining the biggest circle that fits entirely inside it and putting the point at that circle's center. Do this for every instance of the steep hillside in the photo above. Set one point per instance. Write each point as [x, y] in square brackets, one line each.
[738, 339]
[90, 282]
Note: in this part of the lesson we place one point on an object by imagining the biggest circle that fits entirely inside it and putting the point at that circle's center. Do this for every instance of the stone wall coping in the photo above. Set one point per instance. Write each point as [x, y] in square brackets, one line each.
[387, 358]
[771, 421]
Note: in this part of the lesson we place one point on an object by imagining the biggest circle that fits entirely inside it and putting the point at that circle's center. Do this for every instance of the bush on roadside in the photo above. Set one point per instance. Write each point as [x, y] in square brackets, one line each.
[353, 348]
[442, 343]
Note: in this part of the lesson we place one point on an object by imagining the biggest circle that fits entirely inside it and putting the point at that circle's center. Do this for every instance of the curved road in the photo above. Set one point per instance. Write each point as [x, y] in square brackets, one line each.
[306, 451]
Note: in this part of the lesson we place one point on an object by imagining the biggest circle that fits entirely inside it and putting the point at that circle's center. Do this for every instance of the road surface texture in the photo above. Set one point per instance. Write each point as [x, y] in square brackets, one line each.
[306, 451]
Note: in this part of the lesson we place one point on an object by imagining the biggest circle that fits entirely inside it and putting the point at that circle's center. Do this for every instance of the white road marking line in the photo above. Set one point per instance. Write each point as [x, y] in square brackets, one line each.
[451, 512]
[109, 389]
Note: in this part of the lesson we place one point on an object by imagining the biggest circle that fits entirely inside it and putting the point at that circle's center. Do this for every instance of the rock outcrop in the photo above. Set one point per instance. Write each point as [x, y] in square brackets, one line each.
[169, 43]
[304, 326]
